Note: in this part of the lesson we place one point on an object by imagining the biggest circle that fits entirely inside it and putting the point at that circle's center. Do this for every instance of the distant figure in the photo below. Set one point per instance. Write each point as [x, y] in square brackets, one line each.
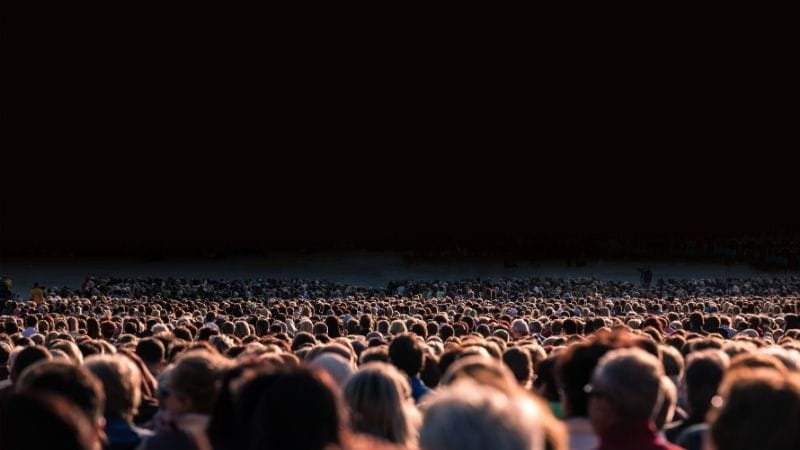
[5, 289]
[37, 294]
[645, 275]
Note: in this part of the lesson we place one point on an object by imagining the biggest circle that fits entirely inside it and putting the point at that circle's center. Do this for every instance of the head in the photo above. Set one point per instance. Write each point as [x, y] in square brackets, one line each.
[626, 386]
[293, 409]
[25, 415]
[152, 352]
[704, 372]
[76, 384]
[192, 383]
[406, 352]
[756, 408]
[573, 372]
[121, 384]
[469, 416]
[21, 359]
[519, 361]
[379, 402]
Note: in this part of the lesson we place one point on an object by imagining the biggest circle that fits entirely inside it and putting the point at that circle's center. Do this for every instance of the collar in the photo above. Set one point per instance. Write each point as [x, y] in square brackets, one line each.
[631, 430]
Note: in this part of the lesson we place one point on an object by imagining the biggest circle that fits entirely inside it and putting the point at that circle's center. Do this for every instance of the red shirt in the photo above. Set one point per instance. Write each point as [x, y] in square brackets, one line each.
[634, 435]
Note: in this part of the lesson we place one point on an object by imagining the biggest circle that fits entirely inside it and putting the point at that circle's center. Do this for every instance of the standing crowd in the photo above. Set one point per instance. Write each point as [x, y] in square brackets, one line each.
[512, 364]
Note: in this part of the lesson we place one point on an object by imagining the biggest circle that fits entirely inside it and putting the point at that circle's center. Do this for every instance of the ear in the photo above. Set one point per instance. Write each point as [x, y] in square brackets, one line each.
[99, 434]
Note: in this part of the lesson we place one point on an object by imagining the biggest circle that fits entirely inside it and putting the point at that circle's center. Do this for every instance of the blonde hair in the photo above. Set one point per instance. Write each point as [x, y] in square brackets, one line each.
[379, 400]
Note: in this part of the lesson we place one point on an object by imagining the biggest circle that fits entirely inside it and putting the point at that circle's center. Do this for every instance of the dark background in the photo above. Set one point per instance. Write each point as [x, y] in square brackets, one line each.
[132, 145]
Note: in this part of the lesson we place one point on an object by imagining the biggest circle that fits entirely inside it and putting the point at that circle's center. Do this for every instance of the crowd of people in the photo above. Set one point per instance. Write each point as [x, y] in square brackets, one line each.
[511, 364]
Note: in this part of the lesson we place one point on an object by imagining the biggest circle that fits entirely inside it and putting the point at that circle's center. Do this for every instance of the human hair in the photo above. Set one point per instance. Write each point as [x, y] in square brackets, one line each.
[75, 383]
[36, 420]
[704, 372]
[481, 369]
[407, 353]
[379, 403]
[630, 379]
[379, 353]
[469, 416]
[291, 408]
[151, 350]
[195, 377]
[397, 327]
[758, 408]
[25, 358]
[519, 361]
[672, 360]
[121, 381]
[573, 372]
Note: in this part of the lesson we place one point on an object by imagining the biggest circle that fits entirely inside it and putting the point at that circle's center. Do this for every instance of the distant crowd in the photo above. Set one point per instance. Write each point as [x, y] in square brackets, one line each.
[510, 364]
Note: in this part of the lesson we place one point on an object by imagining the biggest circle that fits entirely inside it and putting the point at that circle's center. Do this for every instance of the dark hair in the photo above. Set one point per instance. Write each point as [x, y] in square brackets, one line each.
[761, 410]
[295, 409]
[73, 382]
[574, 370]
[302, 339]
[406, 352]
[519, 361]
[151, 350]
[93, 328]
[704, 372]
[38, 421]
[26, 358]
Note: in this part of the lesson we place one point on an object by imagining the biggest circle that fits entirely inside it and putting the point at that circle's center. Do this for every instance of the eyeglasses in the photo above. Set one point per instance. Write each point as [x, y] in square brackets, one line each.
[592, 391]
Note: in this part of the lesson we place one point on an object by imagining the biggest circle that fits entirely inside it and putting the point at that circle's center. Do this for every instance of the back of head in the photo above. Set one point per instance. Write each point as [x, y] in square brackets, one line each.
[379, 402]
[406, 353]
[121, 384]
[294, 409]
[42, 421]
[519, 361]
[758, 408]
[704, 372]
[467, 416]
[195, 378]
[574, 370]
[26, 358]
[75, 383]
[631, 380]
[151, 350]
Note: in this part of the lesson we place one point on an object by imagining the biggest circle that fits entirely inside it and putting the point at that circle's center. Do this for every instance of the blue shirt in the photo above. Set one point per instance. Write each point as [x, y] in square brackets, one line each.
[418, 388]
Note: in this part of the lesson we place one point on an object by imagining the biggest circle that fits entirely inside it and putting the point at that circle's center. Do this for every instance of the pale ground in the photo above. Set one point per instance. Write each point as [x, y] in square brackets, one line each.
[364, 269]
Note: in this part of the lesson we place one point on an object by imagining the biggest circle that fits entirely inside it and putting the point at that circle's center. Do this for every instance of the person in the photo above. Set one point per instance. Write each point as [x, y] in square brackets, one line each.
[573, 372]
[37, 294]
[76, 384]
[702, 377]
[469, 416]
[756, 408]
[625, 398]
[22, 358]
[407, 354]
[30, 420]
[152, 352]
[380, 404]
[290, 409]
[6, 291]
[188, 396]
[31, 322]
[519, 361]
[121, 384]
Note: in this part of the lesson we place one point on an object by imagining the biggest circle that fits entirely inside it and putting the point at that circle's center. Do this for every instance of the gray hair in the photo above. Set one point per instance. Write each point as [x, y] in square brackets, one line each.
[631, 379]
[467, 416]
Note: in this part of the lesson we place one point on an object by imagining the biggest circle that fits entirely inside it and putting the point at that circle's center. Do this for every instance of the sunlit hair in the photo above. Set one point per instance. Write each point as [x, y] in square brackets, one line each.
[121, 383]
[468, 416]
[380, 404]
